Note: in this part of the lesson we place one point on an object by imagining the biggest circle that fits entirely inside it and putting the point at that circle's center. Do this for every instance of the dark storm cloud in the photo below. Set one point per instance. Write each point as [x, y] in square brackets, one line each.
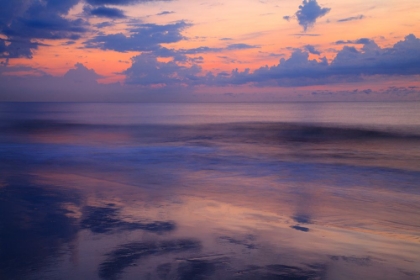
[309, 12]
[106, 12]
[144, 37]
[351, 18]
[22, 22]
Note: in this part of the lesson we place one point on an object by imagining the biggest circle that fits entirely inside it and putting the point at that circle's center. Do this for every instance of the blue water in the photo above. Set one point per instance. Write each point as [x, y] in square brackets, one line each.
[210, 191]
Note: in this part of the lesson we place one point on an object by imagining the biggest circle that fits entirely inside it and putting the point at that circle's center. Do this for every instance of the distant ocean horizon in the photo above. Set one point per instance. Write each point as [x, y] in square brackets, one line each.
[331, 111]
[313, 190]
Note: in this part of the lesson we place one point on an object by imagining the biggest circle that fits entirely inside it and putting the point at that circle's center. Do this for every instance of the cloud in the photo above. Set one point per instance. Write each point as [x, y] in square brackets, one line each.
[78, 75]
[149, 79]
[69, 43]
[164, 52]
[296, 70]
[309, 12]
[121, 2]
[350, 64]
[306, 35]
[200, 50]
[401, 59]
[311, 49]
[165, 13]
[16, 48]
[44, 20]
[81, 74]
[3, 46]
[241, 47]
[105, 12]
[146, 70]
[143, 37]
[104, 24]
[362, 41]
[11, 71]
[359, 17]
[229, 60]
[24, 23]
[21, 24]
[22, 83]
[182, 55]
[390, 93]
[205, 49]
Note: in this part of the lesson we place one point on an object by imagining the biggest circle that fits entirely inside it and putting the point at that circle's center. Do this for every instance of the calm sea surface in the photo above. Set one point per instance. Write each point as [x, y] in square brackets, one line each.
[210, 191]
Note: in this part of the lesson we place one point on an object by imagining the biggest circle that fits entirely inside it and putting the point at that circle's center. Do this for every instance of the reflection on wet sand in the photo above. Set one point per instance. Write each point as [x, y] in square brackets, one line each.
[228, 201]
[127, 254]
[104, 220]
[243, 234]
[34, 227]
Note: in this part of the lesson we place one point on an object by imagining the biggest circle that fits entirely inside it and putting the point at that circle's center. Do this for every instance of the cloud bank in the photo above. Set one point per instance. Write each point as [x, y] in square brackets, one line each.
[349, 65]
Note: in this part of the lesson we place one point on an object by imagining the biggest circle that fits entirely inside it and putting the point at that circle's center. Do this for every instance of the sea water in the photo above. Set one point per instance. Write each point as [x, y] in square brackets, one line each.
[210, 191]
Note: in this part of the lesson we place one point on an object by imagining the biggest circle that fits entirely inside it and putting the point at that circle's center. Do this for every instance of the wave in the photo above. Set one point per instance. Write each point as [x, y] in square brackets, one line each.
[248, 132]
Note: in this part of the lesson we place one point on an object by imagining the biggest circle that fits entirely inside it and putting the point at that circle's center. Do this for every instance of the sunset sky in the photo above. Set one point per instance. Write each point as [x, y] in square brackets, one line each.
[236, 50]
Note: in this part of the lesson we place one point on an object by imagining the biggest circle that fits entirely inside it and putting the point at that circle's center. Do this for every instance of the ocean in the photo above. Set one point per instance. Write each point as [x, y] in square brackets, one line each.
[210, 191]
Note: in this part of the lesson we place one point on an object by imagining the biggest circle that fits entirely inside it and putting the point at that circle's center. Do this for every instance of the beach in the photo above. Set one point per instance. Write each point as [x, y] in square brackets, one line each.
[210, 191]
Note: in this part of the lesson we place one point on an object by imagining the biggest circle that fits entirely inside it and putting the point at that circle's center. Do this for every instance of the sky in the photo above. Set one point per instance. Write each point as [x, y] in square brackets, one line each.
[209, 51]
